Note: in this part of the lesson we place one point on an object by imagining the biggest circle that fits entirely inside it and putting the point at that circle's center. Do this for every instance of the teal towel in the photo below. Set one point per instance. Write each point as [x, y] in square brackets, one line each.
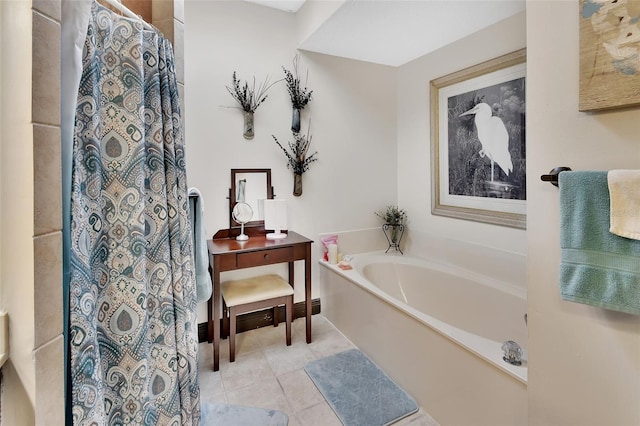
[597, 267]
[200, 252]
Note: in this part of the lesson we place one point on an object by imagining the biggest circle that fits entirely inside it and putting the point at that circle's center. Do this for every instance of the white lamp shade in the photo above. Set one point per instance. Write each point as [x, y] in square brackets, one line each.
[275, 217]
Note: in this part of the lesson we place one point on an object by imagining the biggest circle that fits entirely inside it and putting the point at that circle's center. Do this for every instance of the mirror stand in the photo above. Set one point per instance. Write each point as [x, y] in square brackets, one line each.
[242, 213]
[242, 236]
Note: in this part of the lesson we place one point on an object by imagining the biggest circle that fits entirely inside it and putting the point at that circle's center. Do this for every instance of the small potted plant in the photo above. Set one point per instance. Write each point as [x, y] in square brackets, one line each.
[393, 219]
[249, 99]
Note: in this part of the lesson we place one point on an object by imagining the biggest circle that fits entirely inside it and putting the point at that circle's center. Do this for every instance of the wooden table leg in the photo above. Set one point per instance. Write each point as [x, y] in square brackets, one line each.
[291, 276]
[216, 316]
[307, 290]
[210, 320]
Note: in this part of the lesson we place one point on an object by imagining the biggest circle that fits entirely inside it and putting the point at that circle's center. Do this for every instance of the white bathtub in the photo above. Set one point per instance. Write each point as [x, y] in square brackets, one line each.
[437, 331]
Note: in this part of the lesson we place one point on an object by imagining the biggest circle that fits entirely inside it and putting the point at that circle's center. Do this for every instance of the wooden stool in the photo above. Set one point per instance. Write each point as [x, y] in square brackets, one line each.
[250, 294]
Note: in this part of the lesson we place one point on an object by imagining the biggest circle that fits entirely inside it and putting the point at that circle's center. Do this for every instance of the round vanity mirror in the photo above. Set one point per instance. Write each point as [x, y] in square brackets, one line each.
[242, 213]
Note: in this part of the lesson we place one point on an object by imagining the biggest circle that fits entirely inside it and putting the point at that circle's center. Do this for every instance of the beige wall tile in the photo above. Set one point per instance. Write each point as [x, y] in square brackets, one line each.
[161, 10]
[178, 10]
[50, 8]
[163, 17]
[166, 27]
[50, 383]
[45, 94]
[47, 171]
[47, 287]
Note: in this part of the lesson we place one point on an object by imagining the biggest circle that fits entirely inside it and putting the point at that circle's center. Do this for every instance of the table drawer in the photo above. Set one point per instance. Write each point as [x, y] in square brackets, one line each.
[227, 262]
[264, 257]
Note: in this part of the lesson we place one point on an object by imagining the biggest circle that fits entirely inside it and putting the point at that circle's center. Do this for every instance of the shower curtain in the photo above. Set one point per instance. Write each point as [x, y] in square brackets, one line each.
[132, 295]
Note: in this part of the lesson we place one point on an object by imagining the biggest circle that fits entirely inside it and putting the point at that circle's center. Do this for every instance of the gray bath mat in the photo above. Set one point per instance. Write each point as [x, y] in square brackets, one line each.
[358, 391]
[238, 415]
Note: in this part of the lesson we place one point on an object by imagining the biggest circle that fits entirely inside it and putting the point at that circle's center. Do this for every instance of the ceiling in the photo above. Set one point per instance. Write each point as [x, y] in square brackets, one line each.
[286, 5]
[394, 32]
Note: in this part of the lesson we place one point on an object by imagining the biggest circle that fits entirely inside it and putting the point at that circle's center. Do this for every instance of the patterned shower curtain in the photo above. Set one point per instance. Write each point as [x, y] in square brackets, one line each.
[133, 329]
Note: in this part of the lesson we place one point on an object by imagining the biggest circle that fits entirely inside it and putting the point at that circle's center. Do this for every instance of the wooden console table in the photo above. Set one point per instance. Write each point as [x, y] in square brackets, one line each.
[228, 254]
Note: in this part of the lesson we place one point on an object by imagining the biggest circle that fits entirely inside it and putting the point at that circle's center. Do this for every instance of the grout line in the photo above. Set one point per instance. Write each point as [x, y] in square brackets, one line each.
[44, 15]
[48, 125]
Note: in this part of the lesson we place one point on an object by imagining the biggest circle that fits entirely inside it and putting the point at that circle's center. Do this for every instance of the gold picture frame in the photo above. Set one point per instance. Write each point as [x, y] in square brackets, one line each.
[609, 51]
[471, 178]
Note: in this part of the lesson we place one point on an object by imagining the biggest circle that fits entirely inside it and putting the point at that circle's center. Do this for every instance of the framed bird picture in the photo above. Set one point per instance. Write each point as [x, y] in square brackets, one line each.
[478, 142]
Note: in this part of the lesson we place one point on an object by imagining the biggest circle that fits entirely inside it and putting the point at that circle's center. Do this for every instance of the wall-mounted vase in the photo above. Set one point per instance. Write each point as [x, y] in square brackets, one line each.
[297, 185]
[295, 121]
[248, 125]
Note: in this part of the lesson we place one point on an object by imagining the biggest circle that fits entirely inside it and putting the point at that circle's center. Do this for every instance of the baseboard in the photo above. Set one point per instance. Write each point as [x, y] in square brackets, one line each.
[261, 318]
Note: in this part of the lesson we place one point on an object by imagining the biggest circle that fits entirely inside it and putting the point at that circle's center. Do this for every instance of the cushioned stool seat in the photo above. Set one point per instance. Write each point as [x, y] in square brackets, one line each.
[250, 294]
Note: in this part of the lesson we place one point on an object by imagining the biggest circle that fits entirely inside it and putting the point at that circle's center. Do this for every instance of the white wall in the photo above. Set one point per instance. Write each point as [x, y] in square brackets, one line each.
[352, 111]
[584, 362]
[414, 130]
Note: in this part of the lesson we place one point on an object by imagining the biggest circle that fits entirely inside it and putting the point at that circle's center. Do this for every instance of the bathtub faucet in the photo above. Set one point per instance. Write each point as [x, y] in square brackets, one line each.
[512, 352]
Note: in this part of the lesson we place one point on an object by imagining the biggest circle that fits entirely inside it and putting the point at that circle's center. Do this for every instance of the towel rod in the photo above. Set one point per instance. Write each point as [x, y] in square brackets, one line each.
[552, 176]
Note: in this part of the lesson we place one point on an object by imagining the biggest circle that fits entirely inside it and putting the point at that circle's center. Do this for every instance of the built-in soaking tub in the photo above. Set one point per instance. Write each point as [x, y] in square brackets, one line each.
[437, 330]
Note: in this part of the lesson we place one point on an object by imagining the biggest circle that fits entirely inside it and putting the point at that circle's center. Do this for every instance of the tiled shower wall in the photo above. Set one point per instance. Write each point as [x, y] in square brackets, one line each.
[47, 221]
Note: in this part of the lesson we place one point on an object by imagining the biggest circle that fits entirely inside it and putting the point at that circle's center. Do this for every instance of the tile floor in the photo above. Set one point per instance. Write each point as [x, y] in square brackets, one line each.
[269, 374]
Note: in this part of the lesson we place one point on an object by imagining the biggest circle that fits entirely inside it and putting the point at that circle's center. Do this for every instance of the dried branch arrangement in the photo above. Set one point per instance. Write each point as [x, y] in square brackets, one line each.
[249, 98]
[297, 158]
[300, 96]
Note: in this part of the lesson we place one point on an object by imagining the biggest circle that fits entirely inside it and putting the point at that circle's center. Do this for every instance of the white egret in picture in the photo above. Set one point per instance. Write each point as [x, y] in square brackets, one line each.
[486, 141]
[493, 137]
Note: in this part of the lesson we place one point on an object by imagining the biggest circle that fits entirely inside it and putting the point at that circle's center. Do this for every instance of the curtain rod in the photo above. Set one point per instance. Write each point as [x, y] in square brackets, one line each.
[125, 10]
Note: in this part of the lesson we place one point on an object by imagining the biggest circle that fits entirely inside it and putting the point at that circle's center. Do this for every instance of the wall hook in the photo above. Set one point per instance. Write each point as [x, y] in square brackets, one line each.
[552, 176]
